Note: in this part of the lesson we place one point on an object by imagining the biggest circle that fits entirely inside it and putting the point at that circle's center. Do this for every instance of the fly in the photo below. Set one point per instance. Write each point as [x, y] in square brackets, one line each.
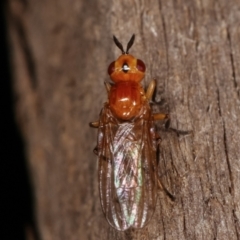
[126, 145]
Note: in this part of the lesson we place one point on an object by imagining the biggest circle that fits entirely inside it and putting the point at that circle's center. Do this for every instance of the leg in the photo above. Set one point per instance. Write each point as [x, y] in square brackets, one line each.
[149, 93]
[160, 116]
[150, 90]
[95, 150]
[162, 187]
[94, 124]
[107, 86]
[163, 116]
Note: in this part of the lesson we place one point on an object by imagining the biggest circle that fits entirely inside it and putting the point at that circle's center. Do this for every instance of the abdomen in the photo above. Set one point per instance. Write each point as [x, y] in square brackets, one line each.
[125, 100]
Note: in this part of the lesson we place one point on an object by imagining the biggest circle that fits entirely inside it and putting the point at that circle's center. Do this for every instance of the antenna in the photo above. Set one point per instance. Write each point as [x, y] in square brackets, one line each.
[130, 43]
[119, 45]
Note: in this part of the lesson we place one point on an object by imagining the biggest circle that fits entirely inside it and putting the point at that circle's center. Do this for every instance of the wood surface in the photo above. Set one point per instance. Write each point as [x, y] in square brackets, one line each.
[60, 53]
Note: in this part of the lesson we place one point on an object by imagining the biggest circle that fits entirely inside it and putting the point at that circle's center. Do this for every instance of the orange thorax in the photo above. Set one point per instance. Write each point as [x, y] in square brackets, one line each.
[125, 99]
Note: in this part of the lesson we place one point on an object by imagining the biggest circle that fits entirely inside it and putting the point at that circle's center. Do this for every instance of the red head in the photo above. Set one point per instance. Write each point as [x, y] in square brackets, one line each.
[126, 67]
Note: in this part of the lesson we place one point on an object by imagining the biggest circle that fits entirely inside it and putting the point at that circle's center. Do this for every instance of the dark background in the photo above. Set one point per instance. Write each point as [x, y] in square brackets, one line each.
[16, 196]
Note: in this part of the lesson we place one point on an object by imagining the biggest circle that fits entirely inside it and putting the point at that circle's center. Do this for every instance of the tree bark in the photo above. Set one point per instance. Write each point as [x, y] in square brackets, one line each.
[60, 54]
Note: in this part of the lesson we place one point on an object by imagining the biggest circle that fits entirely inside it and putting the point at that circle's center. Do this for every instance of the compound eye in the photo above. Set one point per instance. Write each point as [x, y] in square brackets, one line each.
[111, 68]
[140, 65]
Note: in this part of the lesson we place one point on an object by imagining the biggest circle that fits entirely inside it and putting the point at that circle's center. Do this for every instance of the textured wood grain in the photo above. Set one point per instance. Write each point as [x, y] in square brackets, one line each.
[60, 54]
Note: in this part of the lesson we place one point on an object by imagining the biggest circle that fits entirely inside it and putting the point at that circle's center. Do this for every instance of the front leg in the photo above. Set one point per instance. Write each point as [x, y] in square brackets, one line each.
[150, 90]
[95, 124]
[148, 95]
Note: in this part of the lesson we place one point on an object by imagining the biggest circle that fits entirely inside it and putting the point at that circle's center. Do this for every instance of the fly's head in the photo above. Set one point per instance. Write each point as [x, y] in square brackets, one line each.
[126, 67]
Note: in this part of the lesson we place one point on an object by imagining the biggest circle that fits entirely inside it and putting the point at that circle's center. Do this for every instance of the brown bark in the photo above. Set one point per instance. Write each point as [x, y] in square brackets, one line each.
[60, 54]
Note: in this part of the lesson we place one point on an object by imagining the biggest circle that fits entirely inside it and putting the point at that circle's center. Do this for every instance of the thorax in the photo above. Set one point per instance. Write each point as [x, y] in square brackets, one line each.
[125, 99]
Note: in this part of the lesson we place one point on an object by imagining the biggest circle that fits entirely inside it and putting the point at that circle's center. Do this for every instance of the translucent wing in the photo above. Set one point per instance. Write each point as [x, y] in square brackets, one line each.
[127, 169]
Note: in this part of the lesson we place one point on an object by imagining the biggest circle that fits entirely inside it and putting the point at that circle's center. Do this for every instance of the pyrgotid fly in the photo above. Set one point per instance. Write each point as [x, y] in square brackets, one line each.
[126, 146]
